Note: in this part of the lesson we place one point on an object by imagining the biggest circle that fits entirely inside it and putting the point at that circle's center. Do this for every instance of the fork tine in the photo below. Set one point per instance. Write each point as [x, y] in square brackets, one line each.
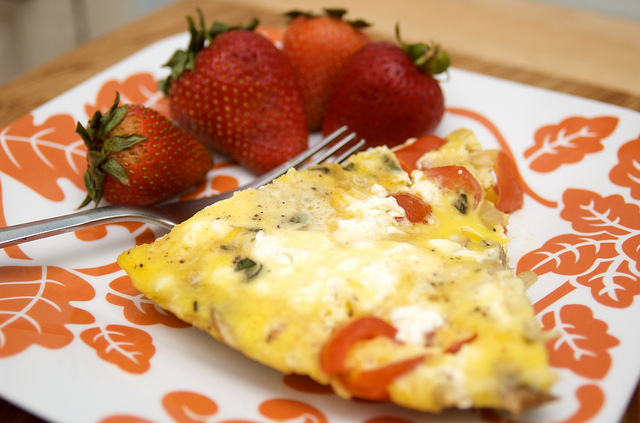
[348, 152]
[328, 152]
[295, 161]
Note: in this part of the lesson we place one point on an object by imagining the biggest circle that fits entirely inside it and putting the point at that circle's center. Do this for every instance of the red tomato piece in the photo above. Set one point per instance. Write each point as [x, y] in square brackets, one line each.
[408, 155]
[456, 345]
[372, 384]
[415, 208]
[456, 178]
[334, 353]
[508, 184]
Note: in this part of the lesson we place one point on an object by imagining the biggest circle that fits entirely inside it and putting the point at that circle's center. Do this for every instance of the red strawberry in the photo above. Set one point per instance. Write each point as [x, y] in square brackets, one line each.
[387, 93]
[318, 47]
[236, 92]
[137, 156]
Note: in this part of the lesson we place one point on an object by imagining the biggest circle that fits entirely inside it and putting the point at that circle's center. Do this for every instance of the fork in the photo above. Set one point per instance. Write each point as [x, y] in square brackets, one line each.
[171, 214]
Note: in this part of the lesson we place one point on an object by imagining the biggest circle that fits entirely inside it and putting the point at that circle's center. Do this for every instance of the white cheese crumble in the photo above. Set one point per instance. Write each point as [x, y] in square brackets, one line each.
[373, 216]
[414, 323]
[426, 189]
[379, 191]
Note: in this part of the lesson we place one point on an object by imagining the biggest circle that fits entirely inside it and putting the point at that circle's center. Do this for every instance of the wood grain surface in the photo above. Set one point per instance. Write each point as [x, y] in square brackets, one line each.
[575, 52]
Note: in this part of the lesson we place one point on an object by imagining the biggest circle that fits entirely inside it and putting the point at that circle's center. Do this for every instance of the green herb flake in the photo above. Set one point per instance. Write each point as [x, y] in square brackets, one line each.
[249, 267]
[461, 204]
[245, 263]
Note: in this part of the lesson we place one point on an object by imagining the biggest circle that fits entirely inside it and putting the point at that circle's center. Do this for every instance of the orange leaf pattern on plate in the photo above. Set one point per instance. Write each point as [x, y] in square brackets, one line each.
[189, 407]
[138, 88]
[603, 256]
[216, 185]
[35, 307]
[568, 142]
[627, 172]
[137, 308]
[281, 409]
[39, 155]
[582, 341]
[142, 232]
[124, 419]
[129, 348]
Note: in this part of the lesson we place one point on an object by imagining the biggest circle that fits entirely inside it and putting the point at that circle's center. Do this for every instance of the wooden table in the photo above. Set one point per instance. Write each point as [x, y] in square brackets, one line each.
[575, 52]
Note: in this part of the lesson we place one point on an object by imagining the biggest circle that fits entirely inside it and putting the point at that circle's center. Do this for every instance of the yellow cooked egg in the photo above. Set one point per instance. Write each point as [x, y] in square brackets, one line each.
[279, 272]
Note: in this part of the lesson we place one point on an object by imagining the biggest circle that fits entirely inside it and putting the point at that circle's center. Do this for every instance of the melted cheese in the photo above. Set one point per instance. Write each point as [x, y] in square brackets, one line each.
[273, 271]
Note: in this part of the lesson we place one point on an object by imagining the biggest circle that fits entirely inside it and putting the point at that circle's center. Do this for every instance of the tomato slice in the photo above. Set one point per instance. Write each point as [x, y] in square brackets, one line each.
[415, 208]
[456, 345]
[508, 184]
[456, 178]
[372, 384]
[408, 155]
[334, 353]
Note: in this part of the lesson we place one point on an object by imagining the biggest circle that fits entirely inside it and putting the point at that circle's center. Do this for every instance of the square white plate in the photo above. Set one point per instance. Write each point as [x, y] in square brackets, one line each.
[79, 344]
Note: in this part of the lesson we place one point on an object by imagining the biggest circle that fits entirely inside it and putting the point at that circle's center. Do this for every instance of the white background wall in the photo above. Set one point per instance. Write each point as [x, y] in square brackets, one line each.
[33, 32]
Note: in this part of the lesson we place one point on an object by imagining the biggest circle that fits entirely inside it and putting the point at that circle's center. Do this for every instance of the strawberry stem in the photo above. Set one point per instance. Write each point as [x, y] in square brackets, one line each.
[332, 13]
[100, 145]
[183, 60]
[431, 59]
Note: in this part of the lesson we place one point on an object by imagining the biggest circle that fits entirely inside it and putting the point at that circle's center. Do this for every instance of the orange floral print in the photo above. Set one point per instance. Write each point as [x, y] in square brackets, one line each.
[39, 155]
[124, 419]
[568, 142]
[139, 88]
[602, 255]
[35, 307]
[582, 342]
[107, 269]
[211, 186]
[189, 407]
[141, 231]
[627, 172]
[137, 308]
[129, 348]
[282, 409]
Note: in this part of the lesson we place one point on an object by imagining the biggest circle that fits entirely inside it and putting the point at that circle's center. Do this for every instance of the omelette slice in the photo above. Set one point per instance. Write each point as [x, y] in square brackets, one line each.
[387, 285]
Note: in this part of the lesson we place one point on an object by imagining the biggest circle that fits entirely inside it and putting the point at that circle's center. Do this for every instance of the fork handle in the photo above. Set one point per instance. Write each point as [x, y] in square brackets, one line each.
[17, 234]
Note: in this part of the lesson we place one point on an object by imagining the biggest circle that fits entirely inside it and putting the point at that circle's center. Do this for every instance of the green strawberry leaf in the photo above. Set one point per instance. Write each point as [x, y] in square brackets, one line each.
[114, 168]
[119, 143]
[292, 14]
[429, 58]
[201, 37]
[113, 119]
[86, 137]
[335, 13]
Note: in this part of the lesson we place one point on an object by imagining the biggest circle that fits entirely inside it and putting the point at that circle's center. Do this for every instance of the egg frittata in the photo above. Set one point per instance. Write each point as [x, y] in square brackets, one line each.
[387, 285]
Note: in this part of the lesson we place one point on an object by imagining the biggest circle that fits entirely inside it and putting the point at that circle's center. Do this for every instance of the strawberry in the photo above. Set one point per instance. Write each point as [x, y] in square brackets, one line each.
[137, 156]
[318, 47]
[235, 91]
[387, 92]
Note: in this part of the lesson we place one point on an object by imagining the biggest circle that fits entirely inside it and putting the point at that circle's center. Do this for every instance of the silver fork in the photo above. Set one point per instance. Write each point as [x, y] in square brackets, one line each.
[169, 215]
